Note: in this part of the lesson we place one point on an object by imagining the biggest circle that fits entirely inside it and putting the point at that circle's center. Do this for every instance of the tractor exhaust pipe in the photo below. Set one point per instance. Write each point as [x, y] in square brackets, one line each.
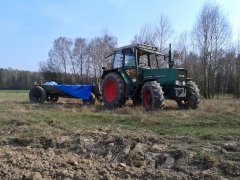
[171, 63]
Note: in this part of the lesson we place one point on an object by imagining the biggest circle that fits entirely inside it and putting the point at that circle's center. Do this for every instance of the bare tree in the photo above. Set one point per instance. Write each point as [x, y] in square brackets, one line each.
[158, 34]
[237, 77]
[95, 50]
[78, 62]
[61, 52]
[88, 64]
[236, 71]
[211, 33]
[59, 58]
[163, 32]
[181, 48]
[51, 71]
[146, 35]
[100, 47]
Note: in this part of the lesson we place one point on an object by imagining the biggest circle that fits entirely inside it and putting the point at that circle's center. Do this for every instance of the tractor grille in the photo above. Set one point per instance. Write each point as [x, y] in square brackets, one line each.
[182, 75]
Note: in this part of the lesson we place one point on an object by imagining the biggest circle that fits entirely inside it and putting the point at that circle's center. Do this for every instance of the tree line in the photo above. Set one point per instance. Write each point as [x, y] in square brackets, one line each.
[12, 79]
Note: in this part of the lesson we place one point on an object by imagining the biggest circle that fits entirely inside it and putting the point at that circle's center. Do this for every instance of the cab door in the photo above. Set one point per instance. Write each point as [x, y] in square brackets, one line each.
[130, 65]
[129, 70]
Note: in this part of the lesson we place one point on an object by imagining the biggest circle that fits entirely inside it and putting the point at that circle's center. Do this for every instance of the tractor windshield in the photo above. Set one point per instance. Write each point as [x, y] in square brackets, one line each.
[148, 59]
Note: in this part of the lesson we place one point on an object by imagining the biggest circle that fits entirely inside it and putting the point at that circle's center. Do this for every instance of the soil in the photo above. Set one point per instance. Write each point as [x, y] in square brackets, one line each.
[113, 154]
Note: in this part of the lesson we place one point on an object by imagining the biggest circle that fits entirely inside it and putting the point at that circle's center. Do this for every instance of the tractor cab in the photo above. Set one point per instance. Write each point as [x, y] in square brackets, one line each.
[131, 60]
[138, 72]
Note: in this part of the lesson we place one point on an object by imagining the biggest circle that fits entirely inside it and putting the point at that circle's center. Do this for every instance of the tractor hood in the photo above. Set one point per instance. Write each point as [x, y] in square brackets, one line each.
[166, 76]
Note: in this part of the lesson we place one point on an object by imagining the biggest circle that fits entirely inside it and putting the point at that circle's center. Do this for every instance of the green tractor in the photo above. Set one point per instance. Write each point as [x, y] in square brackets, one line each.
[136, 73]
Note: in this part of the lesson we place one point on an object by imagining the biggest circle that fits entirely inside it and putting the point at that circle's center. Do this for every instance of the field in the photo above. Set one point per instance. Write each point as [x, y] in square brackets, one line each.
[68, 140]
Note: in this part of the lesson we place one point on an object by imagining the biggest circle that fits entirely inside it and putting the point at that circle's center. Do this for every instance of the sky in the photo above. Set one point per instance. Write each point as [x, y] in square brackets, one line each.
[29, 27]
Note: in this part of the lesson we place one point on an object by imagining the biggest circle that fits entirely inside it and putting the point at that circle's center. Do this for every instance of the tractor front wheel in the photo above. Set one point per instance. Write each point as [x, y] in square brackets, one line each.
[152, 96]
[113, 90]
[192, 99]
[37, 95]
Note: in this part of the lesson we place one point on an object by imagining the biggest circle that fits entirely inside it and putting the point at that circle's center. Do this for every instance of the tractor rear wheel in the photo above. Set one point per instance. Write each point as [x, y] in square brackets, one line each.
[192, 98]
[37, 95]
[152, 96]
[113, 90]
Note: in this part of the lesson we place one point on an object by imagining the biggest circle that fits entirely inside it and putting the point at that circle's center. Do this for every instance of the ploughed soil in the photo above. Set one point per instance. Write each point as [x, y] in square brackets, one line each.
[113, 154]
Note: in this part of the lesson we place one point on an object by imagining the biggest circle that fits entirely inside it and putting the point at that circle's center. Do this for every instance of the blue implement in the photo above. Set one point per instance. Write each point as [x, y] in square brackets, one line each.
[78, 91]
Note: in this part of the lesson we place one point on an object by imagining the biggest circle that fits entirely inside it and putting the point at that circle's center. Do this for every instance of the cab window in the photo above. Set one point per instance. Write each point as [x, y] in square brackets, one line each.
[129, 58]
[118, 60]
[153, 60]
[143, 60]
[109, 61]
[160, 61]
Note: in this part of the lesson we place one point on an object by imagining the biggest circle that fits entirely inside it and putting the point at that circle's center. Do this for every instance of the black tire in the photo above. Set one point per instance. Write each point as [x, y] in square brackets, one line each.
[113, 90]
[37, 95]
[152, 96]
[91, 101]
[192, 97]
[52, 99]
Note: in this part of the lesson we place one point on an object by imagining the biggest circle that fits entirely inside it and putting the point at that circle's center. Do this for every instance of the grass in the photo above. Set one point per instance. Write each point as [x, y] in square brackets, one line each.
[14, 91]
[213, 118]
[206, 138]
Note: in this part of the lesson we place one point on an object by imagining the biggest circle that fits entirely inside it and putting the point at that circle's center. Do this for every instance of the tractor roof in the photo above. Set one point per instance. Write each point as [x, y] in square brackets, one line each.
[144, 47]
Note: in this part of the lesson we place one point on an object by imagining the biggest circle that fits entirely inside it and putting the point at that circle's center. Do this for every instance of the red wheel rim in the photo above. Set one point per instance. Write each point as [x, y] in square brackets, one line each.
[110, 90]
[147, 99]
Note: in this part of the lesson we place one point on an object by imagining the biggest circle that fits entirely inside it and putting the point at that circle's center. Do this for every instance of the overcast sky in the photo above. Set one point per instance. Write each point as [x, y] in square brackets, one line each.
[28, 27]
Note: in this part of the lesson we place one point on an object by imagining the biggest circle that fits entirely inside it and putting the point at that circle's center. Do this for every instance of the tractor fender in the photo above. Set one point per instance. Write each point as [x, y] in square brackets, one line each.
[105, 72]
[121, 74]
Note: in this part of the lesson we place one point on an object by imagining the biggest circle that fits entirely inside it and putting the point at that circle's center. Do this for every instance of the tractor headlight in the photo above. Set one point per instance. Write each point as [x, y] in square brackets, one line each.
[180, 83]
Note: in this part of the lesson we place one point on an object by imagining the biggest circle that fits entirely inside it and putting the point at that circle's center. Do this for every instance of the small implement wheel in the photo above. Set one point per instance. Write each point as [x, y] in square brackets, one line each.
[52, 99]
[152, 96]
[91, 101]
[113, 90]
[37, 95]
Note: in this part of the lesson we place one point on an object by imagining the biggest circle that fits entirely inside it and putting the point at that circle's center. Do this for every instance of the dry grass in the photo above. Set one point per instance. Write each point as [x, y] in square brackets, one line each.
[212, 118]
